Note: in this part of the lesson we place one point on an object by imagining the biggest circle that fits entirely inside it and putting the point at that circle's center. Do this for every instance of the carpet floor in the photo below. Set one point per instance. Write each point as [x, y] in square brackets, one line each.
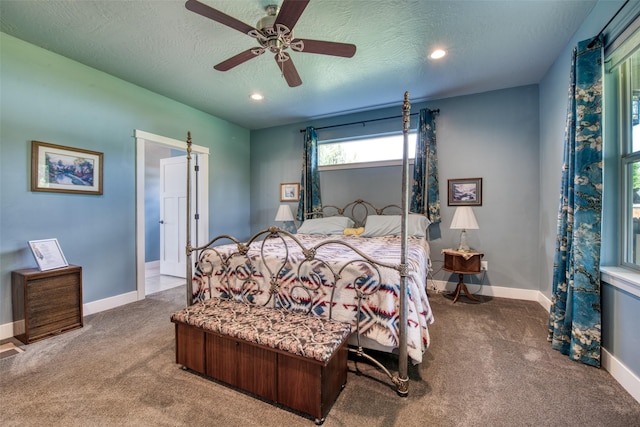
[488, 364]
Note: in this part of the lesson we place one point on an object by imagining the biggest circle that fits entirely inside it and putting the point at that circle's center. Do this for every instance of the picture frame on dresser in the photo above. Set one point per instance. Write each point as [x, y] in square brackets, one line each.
[60, 169]
[48, 254]
[464, 192]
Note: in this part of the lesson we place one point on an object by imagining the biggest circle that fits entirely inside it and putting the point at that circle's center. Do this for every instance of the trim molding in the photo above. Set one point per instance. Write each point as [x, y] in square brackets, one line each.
[203, 191]
[493, 291]
[151, 268]
[6, 330]
[622, 278]
[109, 303]
[627, 379]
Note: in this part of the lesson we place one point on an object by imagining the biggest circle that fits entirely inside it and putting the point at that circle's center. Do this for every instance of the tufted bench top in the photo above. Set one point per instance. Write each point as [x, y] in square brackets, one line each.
[298, 333]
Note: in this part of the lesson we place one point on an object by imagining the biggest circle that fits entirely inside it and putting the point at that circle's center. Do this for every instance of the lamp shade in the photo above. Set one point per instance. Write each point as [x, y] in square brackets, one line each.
[464, 219]
[284, 213]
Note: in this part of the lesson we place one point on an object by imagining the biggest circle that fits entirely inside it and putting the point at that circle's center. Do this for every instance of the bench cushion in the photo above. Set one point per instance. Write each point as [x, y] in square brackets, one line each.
[298, 333]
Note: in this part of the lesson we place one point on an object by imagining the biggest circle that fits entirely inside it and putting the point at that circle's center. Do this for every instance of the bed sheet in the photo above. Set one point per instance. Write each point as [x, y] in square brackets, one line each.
[331, 285]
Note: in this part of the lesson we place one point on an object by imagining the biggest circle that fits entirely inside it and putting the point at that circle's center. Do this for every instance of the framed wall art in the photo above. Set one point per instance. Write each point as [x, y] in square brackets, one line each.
[55, 168]
[465, 192]
[48, 254]
[289, 192]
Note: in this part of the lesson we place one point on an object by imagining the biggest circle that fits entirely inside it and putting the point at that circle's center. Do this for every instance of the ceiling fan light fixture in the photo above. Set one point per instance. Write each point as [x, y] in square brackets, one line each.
[265, 24]
[437, 54]
[274, 33]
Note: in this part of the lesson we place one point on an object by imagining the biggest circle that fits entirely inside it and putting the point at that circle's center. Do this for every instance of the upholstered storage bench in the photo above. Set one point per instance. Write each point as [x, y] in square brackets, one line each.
[294, 359]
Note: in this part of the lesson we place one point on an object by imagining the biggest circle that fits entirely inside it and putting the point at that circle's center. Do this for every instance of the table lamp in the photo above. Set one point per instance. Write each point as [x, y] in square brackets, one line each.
[285, 215]
[464, 220]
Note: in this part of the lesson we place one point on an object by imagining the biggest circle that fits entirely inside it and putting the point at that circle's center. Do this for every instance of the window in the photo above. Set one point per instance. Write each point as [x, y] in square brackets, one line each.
[368, 151]
[620, 255]
[629, 131]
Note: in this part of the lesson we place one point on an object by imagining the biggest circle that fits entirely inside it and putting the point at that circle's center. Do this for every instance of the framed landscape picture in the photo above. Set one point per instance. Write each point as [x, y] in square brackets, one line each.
[465, 192]
[55, 168]
[289, 192]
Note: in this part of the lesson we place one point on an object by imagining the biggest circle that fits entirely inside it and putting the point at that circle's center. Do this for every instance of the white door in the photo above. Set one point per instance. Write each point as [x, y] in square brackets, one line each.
[173, 209]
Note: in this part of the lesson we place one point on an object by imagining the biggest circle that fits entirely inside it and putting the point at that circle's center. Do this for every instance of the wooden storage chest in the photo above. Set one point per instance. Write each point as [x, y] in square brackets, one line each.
[302, 384]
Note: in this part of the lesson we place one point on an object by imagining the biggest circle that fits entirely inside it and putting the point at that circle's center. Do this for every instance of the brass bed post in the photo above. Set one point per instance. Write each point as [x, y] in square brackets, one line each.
[403, 380]
[188, 248]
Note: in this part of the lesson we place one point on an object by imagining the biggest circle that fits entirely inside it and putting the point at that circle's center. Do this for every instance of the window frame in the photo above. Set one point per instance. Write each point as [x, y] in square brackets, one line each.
[627, 158]
[624, 39]
[370, 164]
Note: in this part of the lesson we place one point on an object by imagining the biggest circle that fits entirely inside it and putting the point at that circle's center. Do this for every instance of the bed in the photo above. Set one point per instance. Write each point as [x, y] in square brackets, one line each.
[351, 278]
[358, 265]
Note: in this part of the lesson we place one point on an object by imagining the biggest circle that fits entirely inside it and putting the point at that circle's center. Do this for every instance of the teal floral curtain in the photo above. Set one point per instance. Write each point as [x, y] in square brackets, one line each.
[575, 316]
[310, 200]
[425, 196]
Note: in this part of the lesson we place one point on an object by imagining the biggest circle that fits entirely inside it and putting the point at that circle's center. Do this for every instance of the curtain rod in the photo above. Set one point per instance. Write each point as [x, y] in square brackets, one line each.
[593, 42]
[367, 121]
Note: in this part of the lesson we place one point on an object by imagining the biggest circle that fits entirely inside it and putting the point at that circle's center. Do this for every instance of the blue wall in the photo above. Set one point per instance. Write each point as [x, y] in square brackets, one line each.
[49, 98]
[491, 135]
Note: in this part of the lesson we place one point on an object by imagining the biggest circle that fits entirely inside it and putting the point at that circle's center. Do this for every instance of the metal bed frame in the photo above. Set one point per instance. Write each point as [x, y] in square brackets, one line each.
[400, 380]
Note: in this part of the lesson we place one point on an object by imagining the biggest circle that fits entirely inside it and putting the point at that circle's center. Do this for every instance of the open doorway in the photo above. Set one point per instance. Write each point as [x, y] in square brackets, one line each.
[152, 152]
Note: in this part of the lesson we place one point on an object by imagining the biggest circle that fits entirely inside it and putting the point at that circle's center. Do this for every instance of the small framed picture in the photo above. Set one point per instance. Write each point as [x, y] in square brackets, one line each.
[48, 254]
[59, 169]
[465, 192]
[289, 192]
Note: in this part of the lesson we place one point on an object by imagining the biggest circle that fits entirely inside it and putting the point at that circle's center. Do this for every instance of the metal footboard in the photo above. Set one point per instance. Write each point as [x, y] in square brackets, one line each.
[251, 288]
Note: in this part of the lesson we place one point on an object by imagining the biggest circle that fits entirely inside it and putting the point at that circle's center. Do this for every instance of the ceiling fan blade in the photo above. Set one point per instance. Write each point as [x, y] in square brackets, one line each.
[345, 50]
[216, 15]
[285, 64]
[238, 59]
[290, 12]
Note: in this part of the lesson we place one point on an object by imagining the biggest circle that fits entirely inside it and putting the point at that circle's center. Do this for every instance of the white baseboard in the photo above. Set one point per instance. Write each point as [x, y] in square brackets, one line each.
[6, 330]
[109, 303]
[490, 291]
[151, 268]
[627, 379]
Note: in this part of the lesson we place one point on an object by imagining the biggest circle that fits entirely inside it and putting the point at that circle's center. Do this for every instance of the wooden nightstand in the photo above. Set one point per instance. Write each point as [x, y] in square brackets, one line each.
[462, 263]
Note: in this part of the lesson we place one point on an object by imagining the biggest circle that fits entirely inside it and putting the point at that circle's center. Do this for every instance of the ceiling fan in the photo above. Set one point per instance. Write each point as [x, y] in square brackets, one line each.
[274, 33]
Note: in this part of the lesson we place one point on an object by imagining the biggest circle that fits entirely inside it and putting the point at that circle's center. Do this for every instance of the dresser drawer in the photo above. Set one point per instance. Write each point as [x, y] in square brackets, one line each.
[46, 303]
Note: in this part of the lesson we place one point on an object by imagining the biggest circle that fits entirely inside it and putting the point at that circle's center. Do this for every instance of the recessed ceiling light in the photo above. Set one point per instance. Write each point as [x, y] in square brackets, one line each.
[256, 97]
[437, 54]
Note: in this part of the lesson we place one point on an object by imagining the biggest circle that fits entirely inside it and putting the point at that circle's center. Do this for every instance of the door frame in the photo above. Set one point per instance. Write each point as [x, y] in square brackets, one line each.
[174, 264]
[203, 194]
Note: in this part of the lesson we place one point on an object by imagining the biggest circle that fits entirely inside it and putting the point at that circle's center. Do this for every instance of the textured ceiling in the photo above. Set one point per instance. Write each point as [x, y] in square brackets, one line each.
[161, 46]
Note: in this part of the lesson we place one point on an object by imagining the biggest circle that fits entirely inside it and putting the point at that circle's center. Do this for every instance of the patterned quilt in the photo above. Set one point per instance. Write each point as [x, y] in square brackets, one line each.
[322, 275]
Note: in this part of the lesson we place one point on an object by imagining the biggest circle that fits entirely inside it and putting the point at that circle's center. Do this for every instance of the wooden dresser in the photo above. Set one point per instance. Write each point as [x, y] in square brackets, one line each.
[46, 303]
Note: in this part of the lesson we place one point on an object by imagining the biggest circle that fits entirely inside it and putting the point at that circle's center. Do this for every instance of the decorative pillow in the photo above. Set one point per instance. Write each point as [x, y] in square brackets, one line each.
[353, 231]
[329, 225]
[389, 225]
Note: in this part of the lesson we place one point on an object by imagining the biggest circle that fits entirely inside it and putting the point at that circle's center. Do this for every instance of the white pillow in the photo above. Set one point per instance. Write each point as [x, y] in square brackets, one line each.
[389, 225]
[329, 225]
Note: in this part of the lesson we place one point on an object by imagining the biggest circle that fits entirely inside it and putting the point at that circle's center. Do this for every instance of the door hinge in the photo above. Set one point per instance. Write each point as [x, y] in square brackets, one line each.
[196, 216]
[196, 168]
